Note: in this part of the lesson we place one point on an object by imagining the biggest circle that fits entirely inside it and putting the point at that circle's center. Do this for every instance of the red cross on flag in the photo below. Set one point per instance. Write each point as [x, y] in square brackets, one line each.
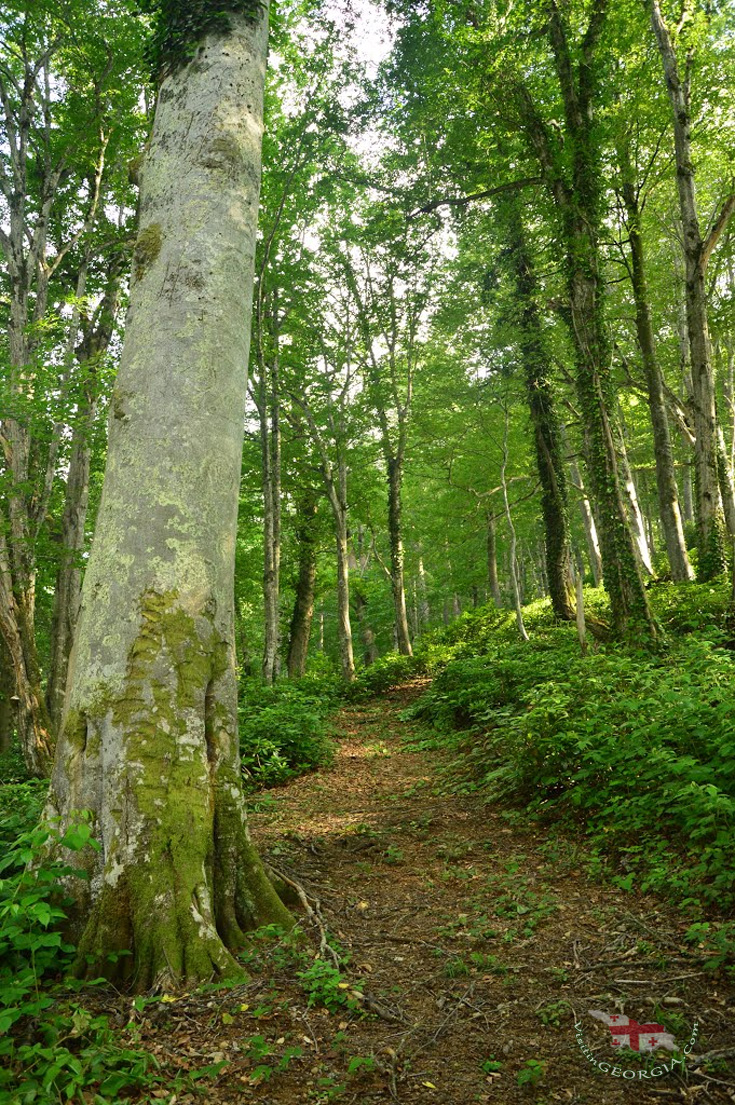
[629, 1033]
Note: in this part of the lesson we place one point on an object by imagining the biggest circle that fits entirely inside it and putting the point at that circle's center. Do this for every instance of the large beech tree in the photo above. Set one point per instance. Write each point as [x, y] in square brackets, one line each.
[149, 740]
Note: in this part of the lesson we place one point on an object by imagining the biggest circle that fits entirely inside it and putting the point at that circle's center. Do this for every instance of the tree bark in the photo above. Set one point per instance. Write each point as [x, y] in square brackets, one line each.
[7, 705]
[579, 203]
[711, 541]
[515, 584]
[547, 438]
[344, 627]
[424, 608]
[149, 739]
[668, 494]
[395, 479]
[635, 514]
[303, 612]
[588, 518]
[269, 414]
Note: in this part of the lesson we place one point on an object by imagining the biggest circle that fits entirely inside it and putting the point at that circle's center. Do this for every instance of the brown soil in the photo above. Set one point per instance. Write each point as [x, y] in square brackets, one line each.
[465, 940]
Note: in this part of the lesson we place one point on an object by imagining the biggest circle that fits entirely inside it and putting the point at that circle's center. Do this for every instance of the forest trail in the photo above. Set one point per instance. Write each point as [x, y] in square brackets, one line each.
[470, 939]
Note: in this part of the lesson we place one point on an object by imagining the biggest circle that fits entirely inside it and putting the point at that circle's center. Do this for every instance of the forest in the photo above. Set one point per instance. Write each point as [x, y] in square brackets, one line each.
[367, 551]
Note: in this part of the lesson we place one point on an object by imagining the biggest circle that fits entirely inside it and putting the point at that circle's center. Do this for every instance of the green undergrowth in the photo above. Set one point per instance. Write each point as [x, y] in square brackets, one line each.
[635, 746]
[54, 1047]
[284, 729]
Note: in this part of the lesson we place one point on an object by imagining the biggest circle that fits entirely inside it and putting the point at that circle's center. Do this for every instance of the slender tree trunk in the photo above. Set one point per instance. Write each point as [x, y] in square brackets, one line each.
[370, 651]
[492, 560]
[724, 476]
[344, 627]
[547, 438]
[517, 601]
[424, 609]
[298, 645]
[635, 515]
[68, 588]
[710, 521]
[588, 518]
[149, 739]
[7, 693]
[395, 479]
[668, 495]
[69, 575]
[270, 437]
[33, 724]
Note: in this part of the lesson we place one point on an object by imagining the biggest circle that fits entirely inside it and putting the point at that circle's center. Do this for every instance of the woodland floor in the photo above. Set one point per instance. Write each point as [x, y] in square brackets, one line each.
[469, 938]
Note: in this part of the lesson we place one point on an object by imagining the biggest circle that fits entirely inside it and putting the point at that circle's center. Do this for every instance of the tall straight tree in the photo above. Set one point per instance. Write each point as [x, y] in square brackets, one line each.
[149, 739]
[546, 429]
[66, 112]
[577, 195]
[668, 493]
[697, 248]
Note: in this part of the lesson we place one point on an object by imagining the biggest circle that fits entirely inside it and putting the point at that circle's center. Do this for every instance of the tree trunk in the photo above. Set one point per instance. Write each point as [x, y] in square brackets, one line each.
[7, 694]
[578, 201]
[68, 588]
[668, 495]
[724, 476]
[395, 478]
[149, 739]
[492, 560]
[303, 611]
[635, 515]
[370, 651]
[588, 521]
[270, 437]
[517, 601]
[33, 724]
[344, 627]
[547, 438]
[424, 609]
[710, 520]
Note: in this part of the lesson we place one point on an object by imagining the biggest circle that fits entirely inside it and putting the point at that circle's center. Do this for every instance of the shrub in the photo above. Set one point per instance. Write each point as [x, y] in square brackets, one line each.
[636, 745]
[283, 729]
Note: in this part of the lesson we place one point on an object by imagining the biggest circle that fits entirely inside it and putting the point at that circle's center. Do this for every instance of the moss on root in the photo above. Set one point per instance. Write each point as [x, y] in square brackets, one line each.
[182, 881]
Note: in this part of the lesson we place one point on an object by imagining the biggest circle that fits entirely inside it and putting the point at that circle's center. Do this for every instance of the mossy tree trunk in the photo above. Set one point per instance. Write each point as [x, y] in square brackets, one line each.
[7, 694]
[149, 740]
[573, 176]
[668, 493]
[546, 432]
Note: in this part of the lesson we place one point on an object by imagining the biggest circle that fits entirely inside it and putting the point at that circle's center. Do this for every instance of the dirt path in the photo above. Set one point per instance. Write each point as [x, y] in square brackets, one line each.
[469, 942]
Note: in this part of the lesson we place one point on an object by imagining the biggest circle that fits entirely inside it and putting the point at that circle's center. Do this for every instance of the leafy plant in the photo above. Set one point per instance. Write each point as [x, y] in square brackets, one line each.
[325, 986]
[531, 1072]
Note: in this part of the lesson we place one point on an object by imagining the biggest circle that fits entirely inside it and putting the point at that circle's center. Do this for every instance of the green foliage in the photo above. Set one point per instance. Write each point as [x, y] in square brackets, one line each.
[69, 1050]
[636, 746]
[531, 1073]
[386, 672]
[283, 730]
[20, 809]
[178, 27]
[324, 985]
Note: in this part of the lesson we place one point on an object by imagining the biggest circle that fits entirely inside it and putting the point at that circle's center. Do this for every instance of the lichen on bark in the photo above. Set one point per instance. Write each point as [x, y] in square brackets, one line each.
[149, 739]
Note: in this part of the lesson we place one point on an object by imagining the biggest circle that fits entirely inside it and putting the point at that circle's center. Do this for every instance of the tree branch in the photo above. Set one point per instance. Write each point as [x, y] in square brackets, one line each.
[462, 201]
[715, 233]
